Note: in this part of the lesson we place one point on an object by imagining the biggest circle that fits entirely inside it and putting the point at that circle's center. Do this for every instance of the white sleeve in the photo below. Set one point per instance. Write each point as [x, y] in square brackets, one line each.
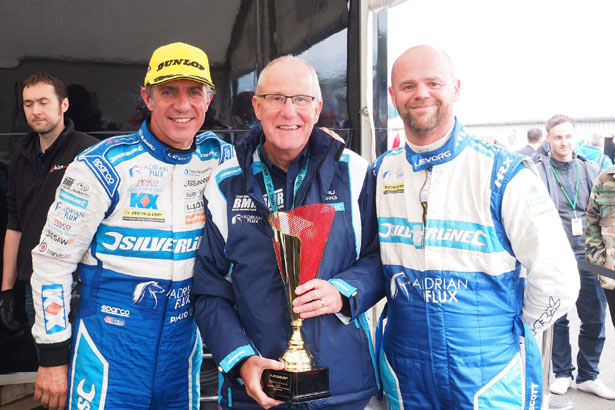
[72, 221]
[539, 242]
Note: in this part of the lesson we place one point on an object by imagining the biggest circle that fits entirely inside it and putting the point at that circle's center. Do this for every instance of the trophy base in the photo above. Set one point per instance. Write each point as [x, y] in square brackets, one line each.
[297, 387]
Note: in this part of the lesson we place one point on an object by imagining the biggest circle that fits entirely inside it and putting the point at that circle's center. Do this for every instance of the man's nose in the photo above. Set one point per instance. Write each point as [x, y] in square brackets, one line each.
[288, 108]
[181, 101]
[422, 91]
[36, 108]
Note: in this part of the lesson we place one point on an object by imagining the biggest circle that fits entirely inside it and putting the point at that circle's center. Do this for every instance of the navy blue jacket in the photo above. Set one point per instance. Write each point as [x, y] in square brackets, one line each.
[239, 298]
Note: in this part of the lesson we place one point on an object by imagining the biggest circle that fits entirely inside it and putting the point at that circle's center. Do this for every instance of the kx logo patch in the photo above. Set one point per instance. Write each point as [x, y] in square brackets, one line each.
[53, 308]
[144, 201]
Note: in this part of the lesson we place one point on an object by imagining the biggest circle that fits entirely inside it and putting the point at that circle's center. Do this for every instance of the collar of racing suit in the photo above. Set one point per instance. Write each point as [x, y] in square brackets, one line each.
[447, 152]
[162, 151]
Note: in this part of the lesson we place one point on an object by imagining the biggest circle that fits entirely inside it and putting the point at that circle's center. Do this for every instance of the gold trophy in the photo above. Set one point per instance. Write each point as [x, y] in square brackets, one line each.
[299, 238]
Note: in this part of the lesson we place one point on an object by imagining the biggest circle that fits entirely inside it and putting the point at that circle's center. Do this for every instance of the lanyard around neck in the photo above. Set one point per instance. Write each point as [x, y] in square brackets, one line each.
[576, 189]
[269, 182]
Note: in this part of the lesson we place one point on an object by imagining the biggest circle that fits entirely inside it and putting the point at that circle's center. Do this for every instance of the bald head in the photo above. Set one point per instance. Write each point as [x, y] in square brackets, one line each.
[422, 55]
[423, 90]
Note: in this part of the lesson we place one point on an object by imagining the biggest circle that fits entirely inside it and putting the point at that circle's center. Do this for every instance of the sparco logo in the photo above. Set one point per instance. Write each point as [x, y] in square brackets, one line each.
[85, 398]
[180, 61]
[433, 158]
[104, 171]
[115, 310]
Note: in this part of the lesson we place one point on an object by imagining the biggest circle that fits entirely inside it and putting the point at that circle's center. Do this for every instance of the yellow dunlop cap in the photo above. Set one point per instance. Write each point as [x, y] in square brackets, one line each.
[178, 60]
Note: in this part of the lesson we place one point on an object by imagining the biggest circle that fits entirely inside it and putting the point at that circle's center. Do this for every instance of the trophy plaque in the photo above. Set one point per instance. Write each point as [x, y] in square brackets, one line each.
[299, 238]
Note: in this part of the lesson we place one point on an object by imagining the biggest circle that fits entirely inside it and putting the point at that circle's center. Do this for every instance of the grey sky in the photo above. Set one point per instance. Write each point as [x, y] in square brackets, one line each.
[518, 60]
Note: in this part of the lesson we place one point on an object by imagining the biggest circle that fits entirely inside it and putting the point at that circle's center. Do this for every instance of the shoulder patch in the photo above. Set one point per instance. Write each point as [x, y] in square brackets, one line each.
[228, 170]
[505, 166]
[99, 159]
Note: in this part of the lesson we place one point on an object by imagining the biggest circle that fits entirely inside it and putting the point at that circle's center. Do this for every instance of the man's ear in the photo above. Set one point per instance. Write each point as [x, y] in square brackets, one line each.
[392, 96]
[64, 105]
[148, 101]
[256, 106]
[456, 86]
[317, 111]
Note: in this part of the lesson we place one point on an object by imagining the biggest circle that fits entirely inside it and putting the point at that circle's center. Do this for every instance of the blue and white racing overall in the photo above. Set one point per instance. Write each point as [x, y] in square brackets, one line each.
[456, 223]
[129, 216]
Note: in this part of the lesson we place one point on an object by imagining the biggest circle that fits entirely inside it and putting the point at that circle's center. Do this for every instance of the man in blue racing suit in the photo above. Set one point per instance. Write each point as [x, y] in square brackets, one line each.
[457, 218]
[240, 302]
[129, 216]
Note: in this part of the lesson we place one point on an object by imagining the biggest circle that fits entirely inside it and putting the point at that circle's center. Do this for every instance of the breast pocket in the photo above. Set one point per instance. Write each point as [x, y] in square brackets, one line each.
[606, 202]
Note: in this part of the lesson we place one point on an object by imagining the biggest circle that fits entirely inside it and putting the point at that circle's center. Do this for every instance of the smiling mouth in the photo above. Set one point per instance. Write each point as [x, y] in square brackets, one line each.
[288, 127]
[181, 120]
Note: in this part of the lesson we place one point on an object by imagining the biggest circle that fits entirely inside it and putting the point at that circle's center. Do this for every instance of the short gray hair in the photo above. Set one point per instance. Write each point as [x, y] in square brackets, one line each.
[288, 58]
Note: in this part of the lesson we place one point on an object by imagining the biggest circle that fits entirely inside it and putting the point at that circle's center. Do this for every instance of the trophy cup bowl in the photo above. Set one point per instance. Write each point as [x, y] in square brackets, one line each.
[299, 238]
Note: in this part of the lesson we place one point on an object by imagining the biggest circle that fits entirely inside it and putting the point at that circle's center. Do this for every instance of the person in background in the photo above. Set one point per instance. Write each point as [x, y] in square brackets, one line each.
[593, 148]
[129, 215]
[35, 171]
[534, 139]
[457, 218]
[609, 147]
[600, 231]
[569, 178]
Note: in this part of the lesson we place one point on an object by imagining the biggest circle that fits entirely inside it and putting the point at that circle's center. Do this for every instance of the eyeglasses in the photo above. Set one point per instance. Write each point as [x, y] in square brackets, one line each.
[279, 100]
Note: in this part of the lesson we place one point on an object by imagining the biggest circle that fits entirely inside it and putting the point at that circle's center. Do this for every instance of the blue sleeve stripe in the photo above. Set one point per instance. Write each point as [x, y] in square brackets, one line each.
[230, 268]
[354, 168]
[222, 175]
[343, 287]
[220, 383]
[235, 356]
[368, 333]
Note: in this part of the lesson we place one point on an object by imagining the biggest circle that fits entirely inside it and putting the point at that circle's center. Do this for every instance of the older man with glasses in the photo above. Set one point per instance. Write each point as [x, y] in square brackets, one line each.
[239, 297]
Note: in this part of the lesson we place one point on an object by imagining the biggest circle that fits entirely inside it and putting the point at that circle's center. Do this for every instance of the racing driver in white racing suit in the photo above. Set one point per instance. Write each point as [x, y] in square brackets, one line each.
[457, 218]
[129, 216]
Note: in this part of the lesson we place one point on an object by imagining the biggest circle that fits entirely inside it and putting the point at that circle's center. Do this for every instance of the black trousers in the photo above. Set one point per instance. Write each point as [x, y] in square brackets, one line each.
[610, 297]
